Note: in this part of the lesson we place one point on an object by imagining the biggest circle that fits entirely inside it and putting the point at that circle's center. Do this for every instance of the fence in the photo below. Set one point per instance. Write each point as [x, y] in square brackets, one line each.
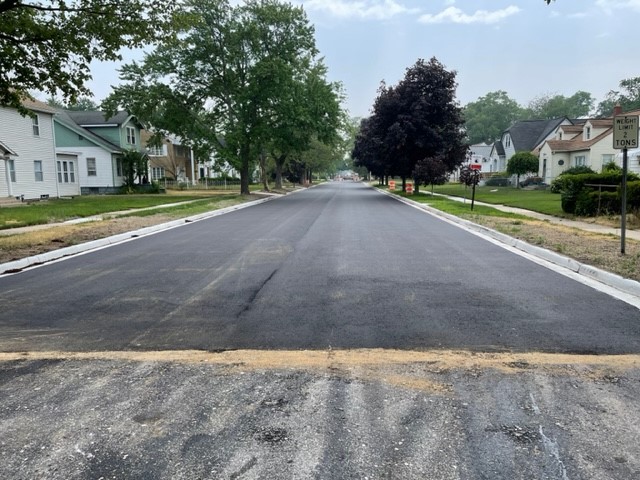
[202, 184]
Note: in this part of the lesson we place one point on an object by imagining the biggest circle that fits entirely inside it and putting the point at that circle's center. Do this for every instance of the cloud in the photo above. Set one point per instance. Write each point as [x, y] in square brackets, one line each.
[456, 15]
[610, 5]
[364, 9]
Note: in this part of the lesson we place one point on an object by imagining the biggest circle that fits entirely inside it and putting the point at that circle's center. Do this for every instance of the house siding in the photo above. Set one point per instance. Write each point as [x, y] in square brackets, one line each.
[69, 189]
[17, 132]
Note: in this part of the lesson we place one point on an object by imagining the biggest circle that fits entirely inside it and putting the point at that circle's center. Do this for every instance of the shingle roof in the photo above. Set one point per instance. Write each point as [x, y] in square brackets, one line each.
[37, 106]
[499, 148]
[527, 134]
[481, 149]
[572, 128]
[602, 122]
[576, 144]
[96, 118]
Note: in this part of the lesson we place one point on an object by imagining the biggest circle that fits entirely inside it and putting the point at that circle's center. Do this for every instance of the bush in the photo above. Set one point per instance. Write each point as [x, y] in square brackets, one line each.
[497, 182]
[577, 170]
[586, 204]
[633, 196]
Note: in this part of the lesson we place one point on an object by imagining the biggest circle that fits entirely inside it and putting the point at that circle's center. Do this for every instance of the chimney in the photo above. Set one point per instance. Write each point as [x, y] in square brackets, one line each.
[617, 110]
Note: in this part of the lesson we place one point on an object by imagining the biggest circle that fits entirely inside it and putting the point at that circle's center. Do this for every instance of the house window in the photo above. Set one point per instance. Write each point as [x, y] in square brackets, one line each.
[157, 173]
[131, 135]
[507, 141]
[91, 167]
[66, 172]
[35, 123]
[580, 160]
[37, 169]
[119, 167]
[12, 170]
[607, 158]
[559, 135]
[156, 150]
[587, 133]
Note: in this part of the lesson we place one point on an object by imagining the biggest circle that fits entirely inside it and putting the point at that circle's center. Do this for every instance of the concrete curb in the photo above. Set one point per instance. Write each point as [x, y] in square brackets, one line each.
[19, 265]
[625, 285]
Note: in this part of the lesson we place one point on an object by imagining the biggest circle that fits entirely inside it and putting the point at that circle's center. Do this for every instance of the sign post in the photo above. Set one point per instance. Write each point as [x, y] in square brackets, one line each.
[625, 136]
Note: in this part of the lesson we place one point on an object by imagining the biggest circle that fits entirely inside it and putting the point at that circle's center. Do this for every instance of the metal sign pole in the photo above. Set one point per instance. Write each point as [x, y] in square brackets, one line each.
[623, 218]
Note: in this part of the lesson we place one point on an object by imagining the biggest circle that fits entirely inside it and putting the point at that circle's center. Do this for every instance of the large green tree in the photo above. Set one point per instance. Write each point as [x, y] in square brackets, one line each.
[550, 106]
[489, 116]
[228, 79]
[628, 97]
[47, 45]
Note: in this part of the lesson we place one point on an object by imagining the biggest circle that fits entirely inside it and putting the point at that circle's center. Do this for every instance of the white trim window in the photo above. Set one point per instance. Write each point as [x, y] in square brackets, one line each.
[608, 158]
[157, 173]
[580, 160]
[66, 172]
[11, 165]
[131, 135]
[507, 140]
[35, 125]
[37, 170]
[119, 167]
[156, 150]
[92, 169]
[587, 133]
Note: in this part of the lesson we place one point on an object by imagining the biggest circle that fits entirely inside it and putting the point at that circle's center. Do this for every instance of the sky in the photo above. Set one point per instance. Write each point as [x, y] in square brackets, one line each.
[524, 47]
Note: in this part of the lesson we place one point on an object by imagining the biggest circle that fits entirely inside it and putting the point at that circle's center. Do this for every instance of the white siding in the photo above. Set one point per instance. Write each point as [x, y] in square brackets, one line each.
[68, 187]
[105, 168]
[17, 132]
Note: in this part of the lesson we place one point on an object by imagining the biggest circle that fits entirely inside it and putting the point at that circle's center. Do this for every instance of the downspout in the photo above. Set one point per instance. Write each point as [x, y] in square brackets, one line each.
[193, 171]
[55, 158]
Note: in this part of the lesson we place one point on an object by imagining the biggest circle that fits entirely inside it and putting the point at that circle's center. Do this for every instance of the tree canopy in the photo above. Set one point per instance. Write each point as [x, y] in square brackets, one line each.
[240, 80]
[522, 163]
[489, 116]
[415, 120]
[628, 97]
[549, 106]
[47, 45]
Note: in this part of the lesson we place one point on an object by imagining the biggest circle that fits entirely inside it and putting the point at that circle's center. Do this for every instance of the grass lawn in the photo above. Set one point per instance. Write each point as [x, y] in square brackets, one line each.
[458, 208]
[541, 201]
[57, 210]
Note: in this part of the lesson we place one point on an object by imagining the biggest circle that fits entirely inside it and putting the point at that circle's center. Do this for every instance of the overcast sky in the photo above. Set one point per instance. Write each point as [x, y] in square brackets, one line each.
[523, 47]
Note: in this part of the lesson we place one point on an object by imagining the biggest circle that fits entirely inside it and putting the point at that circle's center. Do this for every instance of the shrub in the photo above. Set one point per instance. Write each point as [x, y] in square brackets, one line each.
[577, 170]
[497, 182]
[586, 204]
[633, 196]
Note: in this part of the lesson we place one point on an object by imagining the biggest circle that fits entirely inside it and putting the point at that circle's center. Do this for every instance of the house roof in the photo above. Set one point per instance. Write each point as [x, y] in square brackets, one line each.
[576, 144]
[65, 119]
[572, 128]
[4, 148]
[481, 149]
[37, 106]
[499, 148]
[602, 122]
[85, 118]
[528, 134]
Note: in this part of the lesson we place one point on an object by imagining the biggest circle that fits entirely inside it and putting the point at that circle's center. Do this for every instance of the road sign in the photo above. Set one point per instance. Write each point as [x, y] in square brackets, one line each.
[475, 166]
[625, 131]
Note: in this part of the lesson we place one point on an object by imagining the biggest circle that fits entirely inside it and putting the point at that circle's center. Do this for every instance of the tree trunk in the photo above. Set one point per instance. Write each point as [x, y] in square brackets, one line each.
[404, 184]
[244, 170]
[263, 171]
[279, 166]
[416, 186]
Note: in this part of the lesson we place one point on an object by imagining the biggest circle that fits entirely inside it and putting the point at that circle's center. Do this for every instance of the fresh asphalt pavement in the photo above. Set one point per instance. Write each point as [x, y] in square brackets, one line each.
[337, 266]
[335, 333]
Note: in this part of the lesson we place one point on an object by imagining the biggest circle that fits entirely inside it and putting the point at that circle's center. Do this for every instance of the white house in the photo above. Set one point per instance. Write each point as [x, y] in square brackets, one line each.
[27, 152]
[589, 144]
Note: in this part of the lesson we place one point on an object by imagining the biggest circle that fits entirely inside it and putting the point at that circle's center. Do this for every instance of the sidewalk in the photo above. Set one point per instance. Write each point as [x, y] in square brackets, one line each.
[581, 225]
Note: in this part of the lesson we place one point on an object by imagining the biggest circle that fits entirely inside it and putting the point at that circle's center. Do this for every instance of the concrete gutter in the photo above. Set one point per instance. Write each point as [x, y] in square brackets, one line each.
[625, 285]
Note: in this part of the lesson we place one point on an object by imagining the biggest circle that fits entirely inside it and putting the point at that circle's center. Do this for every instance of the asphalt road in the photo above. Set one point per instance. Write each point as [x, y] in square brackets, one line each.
[337, 266]
[471, 362]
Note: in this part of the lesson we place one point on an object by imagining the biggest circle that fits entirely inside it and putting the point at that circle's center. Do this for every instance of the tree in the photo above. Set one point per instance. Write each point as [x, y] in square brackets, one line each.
[225, 80]
[83, 104]
[555, 106]
[628, 97]
[47, 45]
[134, 167]
[430, 171]
[489, 116]
[417, 119]
[521, 164]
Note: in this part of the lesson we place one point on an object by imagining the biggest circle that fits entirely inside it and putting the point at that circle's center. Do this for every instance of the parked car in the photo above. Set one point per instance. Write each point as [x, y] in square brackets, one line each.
[533, 182]
[497, 182]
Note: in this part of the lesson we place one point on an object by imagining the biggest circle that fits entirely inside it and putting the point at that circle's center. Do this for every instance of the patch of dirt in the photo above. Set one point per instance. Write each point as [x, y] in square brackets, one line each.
[598, 250]
[15, 247]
